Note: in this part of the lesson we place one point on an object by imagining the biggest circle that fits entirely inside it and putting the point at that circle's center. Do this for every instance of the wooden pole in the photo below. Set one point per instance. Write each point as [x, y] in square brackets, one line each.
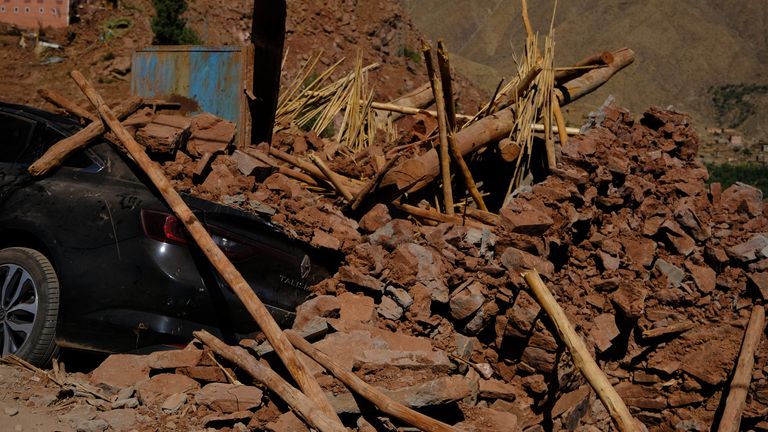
[332, 177]
[582, 66]
[67, 105]
[223, 265]
[581, 357]
[436, 216]
[274, 382]
[58, 152]
[384, 403]
[590, 81]
[737, 394]
[450, 111]
[351, 184]
[288, 172]
[445, 161]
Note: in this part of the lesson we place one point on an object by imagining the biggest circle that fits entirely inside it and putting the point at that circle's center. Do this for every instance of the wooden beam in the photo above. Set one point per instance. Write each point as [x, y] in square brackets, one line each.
[737, 393]
[67, 105]
[384, 403]
[57, 153]
[581, 357]
[333, 178]
[221, 263]
[274, 382]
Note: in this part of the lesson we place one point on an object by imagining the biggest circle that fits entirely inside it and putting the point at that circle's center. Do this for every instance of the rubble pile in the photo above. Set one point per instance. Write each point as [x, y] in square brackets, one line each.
[656, 270]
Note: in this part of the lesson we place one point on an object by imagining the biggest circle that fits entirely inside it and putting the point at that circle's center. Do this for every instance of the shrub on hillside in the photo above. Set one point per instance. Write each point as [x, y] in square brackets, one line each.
[168, 25]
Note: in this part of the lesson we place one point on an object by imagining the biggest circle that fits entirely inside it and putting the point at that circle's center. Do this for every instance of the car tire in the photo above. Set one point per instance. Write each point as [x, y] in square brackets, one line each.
[29, 305]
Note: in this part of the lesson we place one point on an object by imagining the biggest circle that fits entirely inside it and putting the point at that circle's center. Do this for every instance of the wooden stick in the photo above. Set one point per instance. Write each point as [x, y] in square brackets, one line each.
[590, 81]
[594, 61]
[223, 265]
[435, 215]
[288, 172]
[445, 160]
[410, 110]
[737, 394]
[352, 185]
[67, 105]
[445, 78]
[58, 152]
[581, 357]
[506, 100]
[384, 403]
[274, 382]
[332, 177]
[372, 183]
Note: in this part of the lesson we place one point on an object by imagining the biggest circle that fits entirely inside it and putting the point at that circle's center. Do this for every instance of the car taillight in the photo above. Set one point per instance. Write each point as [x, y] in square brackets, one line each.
[168, 228]
[164, 227]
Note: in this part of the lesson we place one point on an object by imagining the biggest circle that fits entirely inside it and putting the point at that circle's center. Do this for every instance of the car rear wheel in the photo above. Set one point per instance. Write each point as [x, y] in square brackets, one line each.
[29, 305]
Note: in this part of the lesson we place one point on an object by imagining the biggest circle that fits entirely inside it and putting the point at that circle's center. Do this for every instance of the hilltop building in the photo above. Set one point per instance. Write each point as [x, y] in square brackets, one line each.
[37, 13]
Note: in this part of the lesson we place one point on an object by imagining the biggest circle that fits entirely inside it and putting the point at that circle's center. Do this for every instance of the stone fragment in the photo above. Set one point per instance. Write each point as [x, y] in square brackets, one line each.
[539, 359]
[287, 422]
[174, 403]
[641, 396]
[742, 198]
[518, 261]
[495, 389]
[467, 301]
[482, 318]
[681, 398]
[393, 234]
[401, 296]
[641, 251]
[95, 425]
[711, 361]
[411, 263]
[324, 306]
[760, 281]
[174, 358]
[209, 134]
[373, 359]
[206, 374]
[229, 398]
[675, 275]
[570, 399]
[704, 277]
[630, 300]
[751, 250]
[323, 240]
[355, 311]
[164, 134]
[121, 370]
[524, 218]
[120, 419]
[389, 309]
[604, 331]
[11, 411]
[376, 218]
[352, 275]
[163, 385]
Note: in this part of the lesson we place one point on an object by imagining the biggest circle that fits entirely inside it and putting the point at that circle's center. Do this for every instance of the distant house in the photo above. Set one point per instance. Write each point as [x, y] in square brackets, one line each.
[36, 13]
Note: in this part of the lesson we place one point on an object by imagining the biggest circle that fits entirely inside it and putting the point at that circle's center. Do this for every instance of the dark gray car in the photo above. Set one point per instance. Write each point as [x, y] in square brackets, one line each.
[91, 258]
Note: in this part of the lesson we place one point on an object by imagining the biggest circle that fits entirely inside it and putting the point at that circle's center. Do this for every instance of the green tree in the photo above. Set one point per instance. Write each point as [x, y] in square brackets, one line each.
[168, 25]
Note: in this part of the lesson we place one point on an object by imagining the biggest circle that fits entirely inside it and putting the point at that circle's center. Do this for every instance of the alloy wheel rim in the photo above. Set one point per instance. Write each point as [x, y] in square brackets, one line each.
[18, 307]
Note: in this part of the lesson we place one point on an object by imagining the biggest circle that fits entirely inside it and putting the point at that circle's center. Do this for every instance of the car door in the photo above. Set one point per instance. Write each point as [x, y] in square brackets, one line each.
[16, 135]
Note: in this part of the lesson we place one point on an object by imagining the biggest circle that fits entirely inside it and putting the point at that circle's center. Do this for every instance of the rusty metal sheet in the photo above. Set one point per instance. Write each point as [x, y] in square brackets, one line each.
[212, 77]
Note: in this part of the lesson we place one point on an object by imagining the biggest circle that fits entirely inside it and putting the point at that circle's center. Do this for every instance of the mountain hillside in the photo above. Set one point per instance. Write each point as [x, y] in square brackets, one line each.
[705, 57]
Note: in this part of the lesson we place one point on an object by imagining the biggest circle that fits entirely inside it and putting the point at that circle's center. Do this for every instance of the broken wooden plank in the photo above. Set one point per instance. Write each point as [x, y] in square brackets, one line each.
[581, 357]
[271, 380]
[58, 152]
[737, 393]
[384, 403]
[221, 263]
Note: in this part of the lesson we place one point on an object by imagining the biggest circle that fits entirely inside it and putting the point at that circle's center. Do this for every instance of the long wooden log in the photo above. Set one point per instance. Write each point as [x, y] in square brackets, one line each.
[414, 174]
[67, 105]
[582, 66]
[420, 97]
[271, 380]
[581, 357]
[442, 124]
[384, 403]
[223, 265]
[737, 394]
[58, 152]
[590, 81]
